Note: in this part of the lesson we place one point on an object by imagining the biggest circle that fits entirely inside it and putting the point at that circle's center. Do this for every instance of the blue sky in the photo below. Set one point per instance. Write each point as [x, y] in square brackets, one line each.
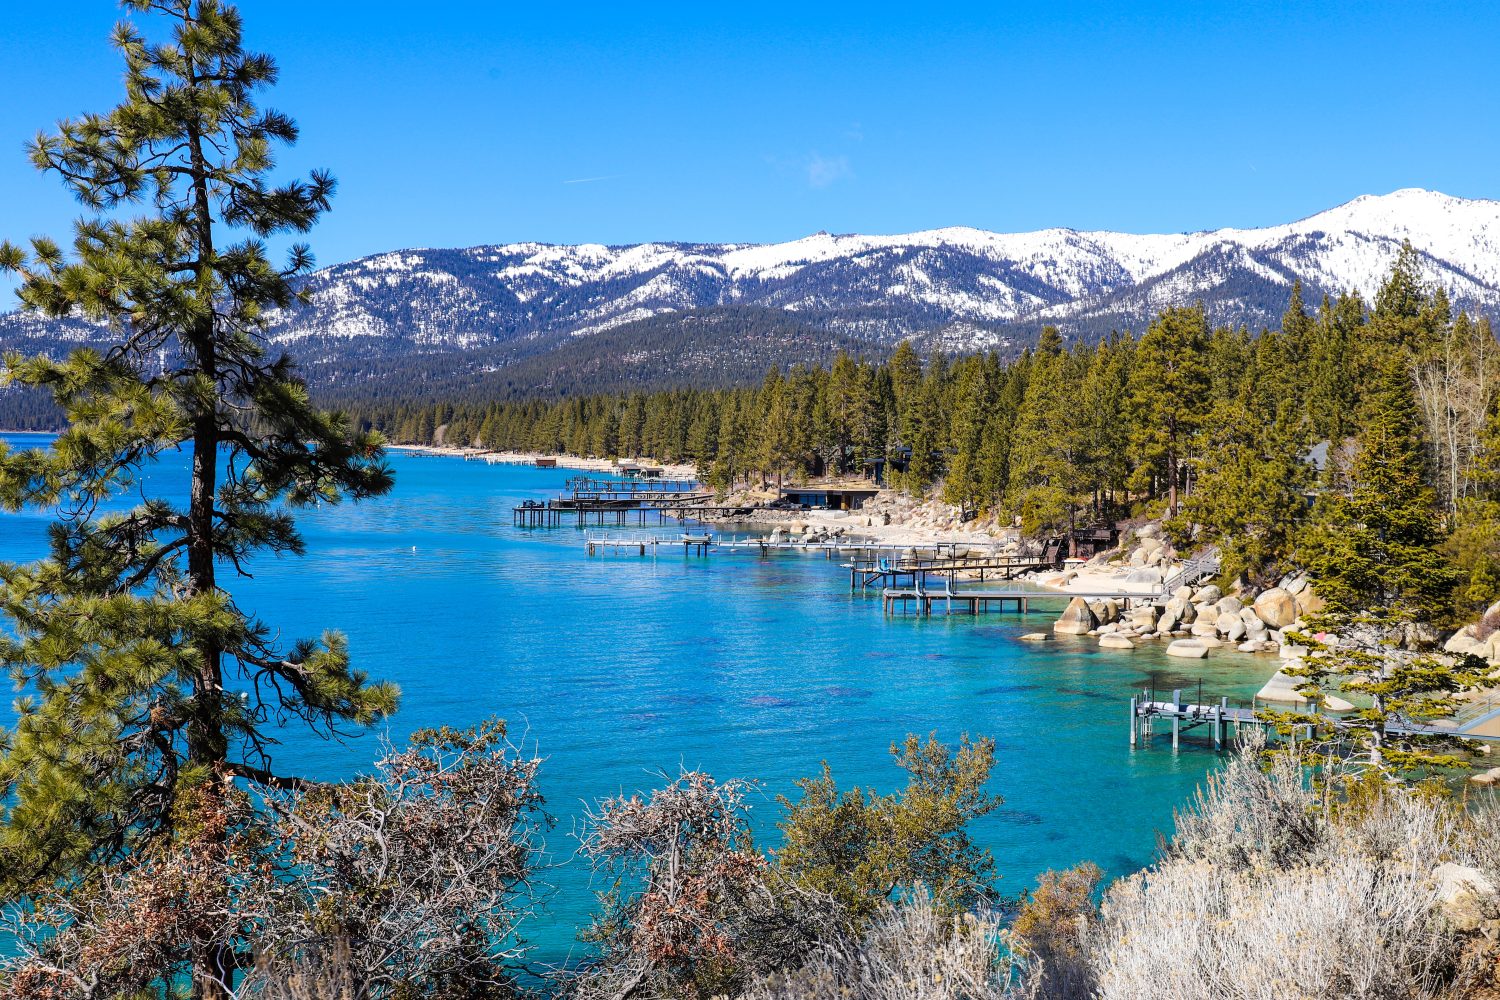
[457, 123]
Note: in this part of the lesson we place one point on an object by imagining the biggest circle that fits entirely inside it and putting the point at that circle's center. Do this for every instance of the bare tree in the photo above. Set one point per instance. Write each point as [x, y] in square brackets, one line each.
[1455, 389]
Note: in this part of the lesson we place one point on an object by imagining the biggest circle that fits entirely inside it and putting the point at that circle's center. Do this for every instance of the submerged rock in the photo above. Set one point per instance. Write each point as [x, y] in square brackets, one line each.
[1115, 642]
[1189, 648]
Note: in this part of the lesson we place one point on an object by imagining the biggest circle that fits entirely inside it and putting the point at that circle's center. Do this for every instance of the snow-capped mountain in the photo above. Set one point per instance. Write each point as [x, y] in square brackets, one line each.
[957, 287]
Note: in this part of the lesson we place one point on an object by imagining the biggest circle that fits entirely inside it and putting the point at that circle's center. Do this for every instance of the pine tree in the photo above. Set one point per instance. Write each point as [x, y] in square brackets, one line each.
[1252, 479]
[851, 411]
[1103, 420]
[148, 686]
[1406, 315]
[998, 436]
[1045, 473]
[964, 484]
[924, 432]
[1373, 553]
[1374, 539]
[1169, 387]
[776, 432]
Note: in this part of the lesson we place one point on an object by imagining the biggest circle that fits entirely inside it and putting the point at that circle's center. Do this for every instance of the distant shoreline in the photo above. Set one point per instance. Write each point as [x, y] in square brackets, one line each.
[561, 460]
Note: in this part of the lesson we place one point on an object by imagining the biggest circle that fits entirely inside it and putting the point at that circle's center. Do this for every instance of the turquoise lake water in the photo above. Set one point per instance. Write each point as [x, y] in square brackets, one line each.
[620, 668]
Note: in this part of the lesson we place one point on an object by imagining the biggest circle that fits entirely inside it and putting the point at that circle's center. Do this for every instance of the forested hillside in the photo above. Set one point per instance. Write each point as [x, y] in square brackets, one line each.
[1229, 433]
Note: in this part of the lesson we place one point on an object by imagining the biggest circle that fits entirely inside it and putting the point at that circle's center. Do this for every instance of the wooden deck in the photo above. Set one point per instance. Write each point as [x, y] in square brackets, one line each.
[620, 513]
[915, 572]
[692, 542]
[1183, 717]
[927, 601]
[632, 486]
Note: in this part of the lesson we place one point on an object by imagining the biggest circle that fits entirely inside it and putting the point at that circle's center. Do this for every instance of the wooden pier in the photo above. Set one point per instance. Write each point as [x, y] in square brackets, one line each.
[914, 571]
[631, 486]
[971, 601]
[692, 543]
[1183, 717]
[1186, 717]
[861, 551]
[620, 513]
[927, 601]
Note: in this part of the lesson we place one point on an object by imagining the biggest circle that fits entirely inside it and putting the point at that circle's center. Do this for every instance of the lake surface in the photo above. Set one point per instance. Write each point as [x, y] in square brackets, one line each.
[619, 668]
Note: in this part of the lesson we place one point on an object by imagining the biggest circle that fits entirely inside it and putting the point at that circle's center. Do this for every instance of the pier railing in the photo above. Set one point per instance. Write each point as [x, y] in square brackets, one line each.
[591, 484]
[1184, 716]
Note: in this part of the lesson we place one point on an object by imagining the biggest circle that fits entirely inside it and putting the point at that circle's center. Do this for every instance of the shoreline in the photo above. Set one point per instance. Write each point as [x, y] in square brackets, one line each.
[562, 460]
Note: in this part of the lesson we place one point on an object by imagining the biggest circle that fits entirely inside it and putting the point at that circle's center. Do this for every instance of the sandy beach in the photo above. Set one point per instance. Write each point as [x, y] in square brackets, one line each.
[675, 471]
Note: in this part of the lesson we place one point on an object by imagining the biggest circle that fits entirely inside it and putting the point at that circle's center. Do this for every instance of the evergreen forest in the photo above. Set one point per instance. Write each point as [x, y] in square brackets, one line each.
[1230, 435]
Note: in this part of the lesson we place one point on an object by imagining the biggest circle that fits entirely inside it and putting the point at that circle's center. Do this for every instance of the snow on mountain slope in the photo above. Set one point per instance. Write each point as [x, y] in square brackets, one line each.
[955, 286]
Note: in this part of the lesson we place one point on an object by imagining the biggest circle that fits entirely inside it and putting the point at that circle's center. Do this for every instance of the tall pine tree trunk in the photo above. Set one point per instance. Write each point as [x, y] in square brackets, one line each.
[212, 970]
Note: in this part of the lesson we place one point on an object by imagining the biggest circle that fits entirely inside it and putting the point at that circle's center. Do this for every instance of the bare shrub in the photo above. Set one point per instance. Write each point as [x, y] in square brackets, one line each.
[1265, 893]
[327, 974]
[691, 907]
[913, 950]
[1487, 625]
[1354, 928]
[124, 930]
[1246, 815]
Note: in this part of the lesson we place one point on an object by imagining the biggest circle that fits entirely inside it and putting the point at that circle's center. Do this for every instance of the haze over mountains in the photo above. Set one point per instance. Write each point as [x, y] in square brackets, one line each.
[532, 317]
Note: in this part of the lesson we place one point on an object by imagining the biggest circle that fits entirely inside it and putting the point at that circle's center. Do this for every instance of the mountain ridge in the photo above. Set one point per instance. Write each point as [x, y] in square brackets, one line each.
[438, 311]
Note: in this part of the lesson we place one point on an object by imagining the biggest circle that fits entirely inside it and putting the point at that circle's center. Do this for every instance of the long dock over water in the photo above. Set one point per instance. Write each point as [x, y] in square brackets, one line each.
[618, 512]
[1183, 717]
[632, 486]
[926, 601]
[691, 542]
[915, 569]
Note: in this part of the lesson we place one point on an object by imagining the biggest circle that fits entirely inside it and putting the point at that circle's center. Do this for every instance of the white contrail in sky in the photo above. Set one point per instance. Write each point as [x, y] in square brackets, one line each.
[590, 180]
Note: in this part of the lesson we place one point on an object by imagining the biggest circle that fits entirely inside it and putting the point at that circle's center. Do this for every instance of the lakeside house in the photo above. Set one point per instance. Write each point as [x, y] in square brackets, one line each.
[638, 470]
[828, 497]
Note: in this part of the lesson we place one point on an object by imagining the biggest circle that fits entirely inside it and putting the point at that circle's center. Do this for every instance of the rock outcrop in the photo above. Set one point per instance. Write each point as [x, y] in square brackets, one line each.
[1077, 619]
[1466, 896]
[1276, 607]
